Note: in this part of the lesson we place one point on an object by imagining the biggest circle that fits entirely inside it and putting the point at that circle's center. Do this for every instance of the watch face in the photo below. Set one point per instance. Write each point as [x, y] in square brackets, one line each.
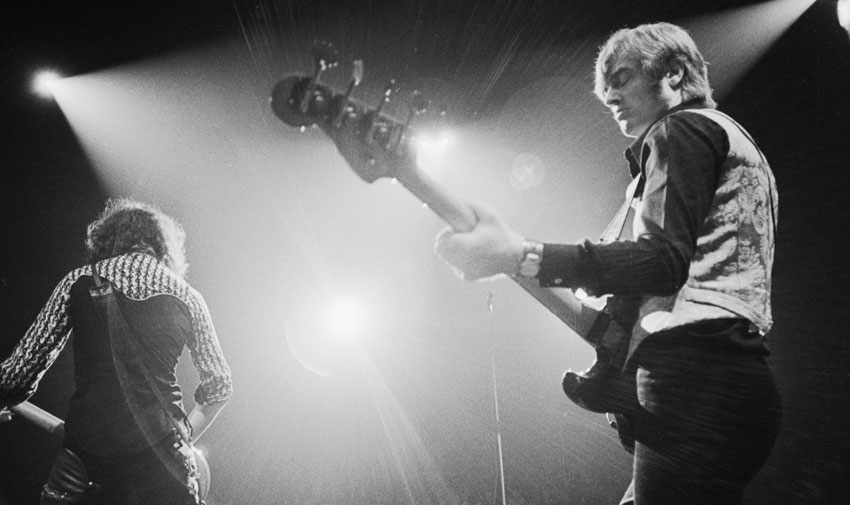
[530, 264]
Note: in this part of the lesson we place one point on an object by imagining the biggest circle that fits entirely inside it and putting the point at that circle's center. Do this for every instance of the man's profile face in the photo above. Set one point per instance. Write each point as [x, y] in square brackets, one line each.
[636, 100]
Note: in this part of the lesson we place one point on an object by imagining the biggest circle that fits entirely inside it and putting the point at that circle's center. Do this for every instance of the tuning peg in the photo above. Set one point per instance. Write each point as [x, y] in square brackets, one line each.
[376, 122]
[389, 90]
[418, 105]
[356, 77]
[356, 73]
[324, 57]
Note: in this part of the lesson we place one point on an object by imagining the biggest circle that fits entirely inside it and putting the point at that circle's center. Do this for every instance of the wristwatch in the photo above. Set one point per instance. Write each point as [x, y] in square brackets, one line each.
[532, 254]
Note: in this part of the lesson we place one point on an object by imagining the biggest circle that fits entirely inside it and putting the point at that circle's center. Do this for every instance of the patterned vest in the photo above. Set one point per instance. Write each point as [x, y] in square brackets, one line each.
[729, 275]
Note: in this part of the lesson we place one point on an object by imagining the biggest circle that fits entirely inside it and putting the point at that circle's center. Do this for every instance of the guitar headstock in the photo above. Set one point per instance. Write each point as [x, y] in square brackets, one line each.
[374, 144]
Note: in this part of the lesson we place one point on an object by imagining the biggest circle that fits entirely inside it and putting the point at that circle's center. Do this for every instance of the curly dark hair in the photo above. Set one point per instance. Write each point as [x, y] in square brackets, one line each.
[126, 226]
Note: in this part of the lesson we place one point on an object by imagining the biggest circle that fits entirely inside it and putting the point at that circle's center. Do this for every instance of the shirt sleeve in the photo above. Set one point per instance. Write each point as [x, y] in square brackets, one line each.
[681, 159]
[39, 348]
[216, 381]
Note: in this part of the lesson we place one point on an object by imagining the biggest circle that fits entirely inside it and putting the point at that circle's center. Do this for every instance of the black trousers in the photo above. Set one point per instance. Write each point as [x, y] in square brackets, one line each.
[708, 418]
[165, 474]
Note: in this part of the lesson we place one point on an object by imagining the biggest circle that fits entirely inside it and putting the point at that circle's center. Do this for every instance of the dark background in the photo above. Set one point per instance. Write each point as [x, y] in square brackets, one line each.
[418, 428]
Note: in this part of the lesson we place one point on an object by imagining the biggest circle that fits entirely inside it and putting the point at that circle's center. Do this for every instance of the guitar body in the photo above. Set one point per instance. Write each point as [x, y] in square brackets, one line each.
[601, 388]
[606, 387]
[204, 477]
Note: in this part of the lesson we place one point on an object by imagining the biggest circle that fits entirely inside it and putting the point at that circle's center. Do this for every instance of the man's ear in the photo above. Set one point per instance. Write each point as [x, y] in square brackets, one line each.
[675, 76]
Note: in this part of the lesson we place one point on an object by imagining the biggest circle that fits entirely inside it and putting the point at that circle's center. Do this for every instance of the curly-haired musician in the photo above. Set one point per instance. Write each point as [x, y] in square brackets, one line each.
[127, 435]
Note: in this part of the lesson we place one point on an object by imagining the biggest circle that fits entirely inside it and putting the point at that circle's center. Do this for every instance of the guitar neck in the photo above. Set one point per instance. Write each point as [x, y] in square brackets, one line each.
[375, 146]
[40, 417]
[561, 303]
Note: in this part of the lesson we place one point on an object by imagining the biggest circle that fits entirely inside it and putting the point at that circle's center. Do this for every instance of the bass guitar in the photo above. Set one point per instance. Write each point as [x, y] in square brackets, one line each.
[55, 426]
[377, 146]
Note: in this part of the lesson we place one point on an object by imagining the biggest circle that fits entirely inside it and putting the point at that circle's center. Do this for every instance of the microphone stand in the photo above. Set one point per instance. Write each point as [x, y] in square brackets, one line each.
[490, 299]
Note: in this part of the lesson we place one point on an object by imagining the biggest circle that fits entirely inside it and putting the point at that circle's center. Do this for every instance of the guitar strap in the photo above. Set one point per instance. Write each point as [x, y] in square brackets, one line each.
[103, 295]
[621, 421]
[197, 471]
[614, 230]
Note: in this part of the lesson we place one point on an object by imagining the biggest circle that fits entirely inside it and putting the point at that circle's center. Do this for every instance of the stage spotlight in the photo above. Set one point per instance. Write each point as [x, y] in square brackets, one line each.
[43, 83]
[326, 341]
[431, 149]
[345, 319]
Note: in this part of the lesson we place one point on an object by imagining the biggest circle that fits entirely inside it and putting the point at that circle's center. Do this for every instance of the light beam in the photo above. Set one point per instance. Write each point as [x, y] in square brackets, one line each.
[843, 9]
[733, 41]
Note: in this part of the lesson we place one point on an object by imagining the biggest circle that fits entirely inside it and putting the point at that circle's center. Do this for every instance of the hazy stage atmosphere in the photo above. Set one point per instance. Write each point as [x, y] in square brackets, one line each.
[365, 371]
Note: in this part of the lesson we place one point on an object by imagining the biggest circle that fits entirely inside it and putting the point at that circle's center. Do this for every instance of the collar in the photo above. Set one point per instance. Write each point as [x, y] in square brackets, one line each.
[633, 153]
